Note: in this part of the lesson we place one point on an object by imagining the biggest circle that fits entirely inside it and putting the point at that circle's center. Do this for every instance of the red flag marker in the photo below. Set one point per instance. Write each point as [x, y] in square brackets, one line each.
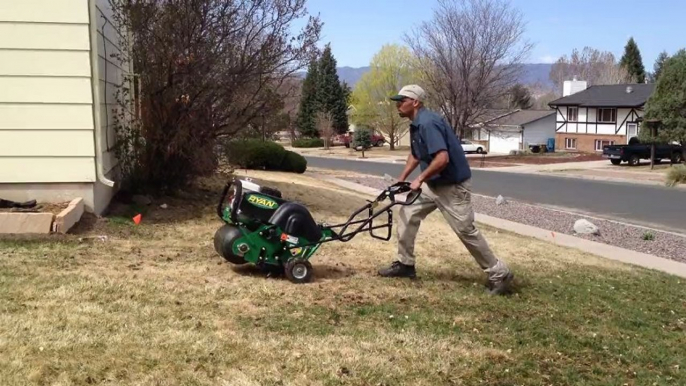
[137, 219]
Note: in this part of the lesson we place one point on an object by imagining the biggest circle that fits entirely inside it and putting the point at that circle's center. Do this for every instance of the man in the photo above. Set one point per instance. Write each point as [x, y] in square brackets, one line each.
[445, 180]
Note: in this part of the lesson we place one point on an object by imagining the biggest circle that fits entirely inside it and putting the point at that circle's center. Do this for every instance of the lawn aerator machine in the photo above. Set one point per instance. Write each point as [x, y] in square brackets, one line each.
[263, 228]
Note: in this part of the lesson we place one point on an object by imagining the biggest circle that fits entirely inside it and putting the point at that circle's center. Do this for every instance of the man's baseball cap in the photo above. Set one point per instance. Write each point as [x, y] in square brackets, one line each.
[410, 91]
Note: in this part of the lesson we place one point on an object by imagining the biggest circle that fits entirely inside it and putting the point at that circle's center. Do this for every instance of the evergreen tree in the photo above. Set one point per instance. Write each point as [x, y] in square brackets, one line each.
[668, 102]
[519, 97]
[309, 102]
[331, 92]
[347, 92]
[657, 67]
[632, 61]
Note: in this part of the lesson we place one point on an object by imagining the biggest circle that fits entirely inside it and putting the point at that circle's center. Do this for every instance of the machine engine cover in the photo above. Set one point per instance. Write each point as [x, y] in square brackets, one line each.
[295, 220]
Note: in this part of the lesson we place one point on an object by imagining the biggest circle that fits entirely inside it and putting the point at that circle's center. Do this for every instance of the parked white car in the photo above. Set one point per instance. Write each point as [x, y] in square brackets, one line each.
[470, 147]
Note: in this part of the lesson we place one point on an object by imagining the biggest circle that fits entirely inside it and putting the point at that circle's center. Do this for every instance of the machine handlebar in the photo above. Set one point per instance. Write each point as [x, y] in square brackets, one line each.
[400, 188]
[237, 198]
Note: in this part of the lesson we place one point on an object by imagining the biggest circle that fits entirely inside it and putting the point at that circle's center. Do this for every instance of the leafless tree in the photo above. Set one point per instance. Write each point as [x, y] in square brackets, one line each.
[292, 92]
[541, 102]
[591, 65]
[206, 69]
[325, 127]
[470, 54]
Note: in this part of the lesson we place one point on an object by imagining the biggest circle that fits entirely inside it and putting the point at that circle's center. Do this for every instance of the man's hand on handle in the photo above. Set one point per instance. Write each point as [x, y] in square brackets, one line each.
[416, 184]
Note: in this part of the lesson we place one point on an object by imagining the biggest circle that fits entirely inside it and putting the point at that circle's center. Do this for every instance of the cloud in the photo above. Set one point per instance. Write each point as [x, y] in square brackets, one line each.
[548, 59]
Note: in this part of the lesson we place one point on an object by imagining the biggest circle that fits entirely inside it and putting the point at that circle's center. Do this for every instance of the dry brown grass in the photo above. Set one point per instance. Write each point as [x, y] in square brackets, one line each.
[155, 305]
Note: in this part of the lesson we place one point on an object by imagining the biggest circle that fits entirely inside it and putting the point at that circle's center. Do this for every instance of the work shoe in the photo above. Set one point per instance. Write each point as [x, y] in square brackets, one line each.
[500, 286]
[398, 269]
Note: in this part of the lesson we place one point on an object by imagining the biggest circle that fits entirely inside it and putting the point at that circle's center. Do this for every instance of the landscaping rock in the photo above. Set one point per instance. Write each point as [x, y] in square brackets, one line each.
[585, 227]
[500, 200]
[66, 219]
[22, 223]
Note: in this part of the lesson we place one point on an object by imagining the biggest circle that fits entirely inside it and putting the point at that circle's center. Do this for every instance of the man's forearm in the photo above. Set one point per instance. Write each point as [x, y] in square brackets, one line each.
[410, 165]
[439, 163]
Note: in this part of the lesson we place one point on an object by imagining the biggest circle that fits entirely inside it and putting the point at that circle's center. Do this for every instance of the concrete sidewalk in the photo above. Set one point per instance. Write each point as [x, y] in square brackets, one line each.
[603, 250]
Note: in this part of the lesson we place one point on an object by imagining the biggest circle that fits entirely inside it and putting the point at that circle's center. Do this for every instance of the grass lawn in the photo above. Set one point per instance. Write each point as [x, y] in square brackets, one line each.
[155, 305]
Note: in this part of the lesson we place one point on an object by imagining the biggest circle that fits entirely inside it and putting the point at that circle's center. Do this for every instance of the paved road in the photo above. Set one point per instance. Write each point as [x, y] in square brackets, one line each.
[649, 205]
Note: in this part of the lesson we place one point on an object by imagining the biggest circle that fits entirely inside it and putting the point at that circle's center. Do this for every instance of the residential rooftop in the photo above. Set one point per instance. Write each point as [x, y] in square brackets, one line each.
[611, 95]
[519, 117]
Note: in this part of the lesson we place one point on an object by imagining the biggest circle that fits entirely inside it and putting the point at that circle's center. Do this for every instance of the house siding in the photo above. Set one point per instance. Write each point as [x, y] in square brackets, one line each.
[46, 118]
[587, 121]
[539, 131]
[587, 130]
[113, 74]
[50, 105]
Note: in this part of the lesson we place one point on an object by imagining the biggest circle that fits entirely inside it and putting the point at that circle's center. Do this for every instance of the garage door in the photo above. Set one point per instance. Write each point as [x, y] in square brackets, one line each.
[501, 142]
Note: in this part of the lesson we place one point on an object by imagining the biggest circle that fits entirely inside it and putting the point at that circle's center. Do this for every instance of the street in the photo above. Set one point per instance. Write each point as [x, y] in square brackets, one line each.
[649, 205]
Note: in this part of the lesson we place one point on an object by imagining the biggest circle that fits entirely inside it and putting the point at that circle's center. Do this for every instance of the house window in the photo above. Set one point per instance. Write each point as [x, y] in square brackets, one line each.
[573, 114]
[599, 143]
[570, 143]
[607, 115]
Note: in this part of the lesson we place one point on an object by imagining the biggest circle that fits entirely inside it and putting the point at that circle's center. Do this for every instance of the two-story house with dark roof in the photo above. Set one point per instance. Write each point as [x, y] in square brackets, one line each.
[588, 118]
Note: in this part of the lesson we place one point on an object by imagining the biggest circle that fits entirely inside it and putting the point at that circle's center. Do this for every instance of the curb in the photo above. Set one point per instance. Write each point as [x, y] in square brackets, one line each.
[599, 249]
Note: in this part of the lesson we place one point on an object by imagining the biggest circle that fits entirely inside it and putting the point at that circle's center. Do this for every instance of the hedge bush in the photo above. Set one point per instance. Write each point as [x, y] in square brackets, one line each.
[263, 155]
[254, 153]
[676, 175]
[308, 142]
[294, 162]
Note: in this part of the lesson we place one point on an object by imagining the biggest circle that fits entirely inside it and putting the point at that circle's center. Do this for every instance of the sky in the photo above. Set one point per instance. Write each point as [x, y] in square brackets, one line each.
[357, 29]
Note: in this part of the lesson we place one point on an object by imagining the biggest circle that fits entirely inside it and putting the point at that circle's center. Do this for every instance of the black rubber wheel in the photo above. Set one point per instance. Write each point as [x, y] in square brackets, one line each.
[676, 158]
[634, 160]
[223, 243]
[616, 161]
[298, 271]
[379, 143]
[479, 150]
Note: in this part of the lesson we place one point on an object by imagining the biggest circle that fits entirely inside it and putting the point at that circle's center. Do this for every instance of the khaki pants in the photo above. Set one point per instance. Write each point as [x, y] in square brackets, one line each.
[454, 202]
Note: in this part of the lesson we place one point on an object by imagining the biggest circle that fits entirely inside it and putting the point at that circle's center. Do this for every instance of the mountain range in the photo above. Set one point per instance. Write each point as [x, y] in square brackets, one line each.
[533, 74]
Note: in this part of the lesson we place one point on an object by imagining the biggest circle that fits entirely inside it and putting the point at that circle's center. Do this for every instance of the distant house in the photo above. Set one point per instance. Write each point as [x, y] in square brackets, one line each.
[588, 118]
[506, 131]
[58, 83]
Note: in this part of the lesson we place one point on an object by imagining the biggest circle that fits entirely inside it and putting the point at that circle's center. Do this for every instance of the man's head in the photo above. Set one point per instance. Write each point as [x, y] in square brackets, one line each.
[409, 100]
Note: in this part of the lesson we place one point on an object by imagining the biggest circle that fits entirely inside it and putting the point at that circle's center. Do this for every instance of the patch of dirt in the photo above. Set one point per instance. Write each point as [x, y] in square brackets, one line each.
[547, 158]
[478, 163]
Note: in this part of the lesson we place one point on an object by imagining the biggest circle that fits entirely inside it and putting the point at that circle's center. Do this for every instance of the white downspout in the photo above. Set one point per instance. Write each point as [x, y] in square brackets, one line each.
[95, 87]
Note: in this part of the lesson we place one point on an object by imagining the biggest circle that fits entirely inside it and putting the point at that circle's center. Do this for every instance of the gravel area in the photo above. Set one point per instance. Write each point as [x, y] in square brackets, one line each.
[662, 244]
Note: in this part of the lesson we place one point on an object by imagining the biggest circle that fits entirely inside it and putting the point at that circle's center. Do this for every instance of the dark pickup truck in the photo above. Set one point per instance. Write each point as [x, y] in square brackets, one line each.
[635, 152]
